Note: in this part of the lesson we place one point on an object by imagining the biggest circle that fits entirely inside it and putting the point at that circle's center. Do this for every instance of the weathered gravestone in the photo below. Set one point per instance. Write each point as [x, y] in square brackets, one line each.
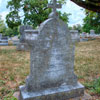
[75, 35]
[92, 33]
[83, 37]
[52, 62]
[0, 36]
[4, 41]
[15, 40]
[22, 44]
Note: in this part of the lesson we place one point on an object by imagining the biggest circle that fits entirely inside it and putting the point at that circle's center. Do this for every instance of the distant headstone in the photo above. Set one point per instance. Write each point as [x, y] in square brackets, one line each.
[75, 35]
[83, 37]
[0, 35]
[92, 33]
[87, 35]
[3, 41]
[22, 45]
[52, 62]
[15, 40]
[83, 34]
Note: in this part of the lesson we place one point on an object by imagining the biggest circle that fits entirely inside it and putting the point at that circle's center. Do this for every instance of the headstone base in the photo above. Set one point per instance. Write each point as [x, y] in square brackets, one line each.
[3, 44]
[83, 39]
[59, 93]
[22, 47]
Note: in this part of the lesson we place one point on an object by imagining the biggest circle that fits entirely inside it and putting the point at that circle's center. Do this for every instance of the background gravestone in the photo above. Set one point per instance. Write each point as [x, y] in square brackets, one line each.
[3, 40]
[75, 35]
[15, 40]
[22, 45]
[92, 33]
[52, 62]
[0, 35]
[83, 37]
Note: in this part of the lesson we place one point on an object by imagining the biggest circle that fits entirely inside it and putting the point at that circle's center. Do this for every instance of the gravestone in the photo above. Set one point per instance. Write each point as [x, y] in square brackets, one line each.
[92, 33]
[15, 40]
[83, 34]
[22, 45]
[75, 35]
[4, 41]
[0, 35]
[52, 62]
[83, 37]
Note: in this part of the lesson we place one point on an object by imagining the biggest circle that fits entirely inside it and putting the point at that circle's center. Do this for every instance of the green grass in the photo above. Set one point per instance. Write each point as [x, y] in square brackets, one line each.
[15, 65]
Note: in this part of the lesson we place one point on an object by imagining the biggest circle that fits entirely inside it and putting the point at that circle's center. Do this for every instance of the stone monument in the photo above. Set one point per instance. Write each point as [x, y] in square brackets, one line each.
[92, 33]
[0, 36]
[75, 35]
[3, 40]
[15, 40]
[52, 62]
[22, 45]
[83, 37]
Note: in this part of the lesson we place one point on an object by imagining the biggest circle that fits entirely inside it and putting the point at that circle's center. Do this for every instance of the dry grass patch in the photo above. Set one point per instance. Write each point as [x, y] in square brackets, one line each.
[87, 59]
[14, 66]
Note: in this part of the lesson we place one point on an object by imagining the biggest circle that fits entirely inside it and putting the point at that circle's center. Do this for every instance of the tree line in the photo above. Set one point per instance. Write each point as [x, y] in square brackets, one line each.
[33, 12]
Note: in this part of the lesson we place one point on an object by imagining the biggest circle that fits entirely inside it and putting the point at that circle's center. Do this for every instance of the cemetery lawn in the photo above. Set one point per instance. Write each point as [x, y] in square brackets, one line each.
[14, 67]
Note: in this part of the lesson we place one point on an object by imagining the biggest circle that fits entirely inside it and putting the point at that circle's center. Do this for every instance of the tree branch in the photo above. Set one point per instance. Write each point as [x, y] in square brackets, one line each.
[95, 1]
[87, 5]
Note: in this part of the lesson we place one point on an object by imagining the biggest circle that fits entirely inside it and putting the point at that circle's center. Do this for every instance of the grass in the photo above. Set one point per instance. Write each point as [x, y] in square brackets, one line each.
[14, 67]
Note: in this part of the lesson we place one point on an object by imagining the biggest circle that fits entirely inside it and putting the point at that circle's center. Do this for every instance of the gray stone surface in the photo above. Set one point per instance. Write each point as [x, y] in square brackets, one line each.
[22, 29]
[15, 40]
[52, 56]
[63, 92]
[84, 97]
[52, 62]
[75, 35]
[92, 33]
[0, 36]
[23, 46]
[83, 37]
[4, 41]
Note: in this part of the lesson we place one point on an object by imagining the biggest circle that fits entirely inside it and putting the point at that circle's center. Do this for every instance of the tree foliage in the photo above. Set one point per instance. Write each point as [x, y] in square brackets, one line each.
[77, 27]
[91, 21]
[31, 12]
[11, 32]
[2, 25]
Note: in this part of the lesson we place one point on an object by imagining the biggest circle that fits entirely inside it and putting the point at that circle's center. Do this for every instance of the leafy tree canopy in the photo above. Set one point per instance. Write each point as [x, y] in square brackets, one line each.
[11, 32]
[91, 21]
[2, 25]
[33, 12]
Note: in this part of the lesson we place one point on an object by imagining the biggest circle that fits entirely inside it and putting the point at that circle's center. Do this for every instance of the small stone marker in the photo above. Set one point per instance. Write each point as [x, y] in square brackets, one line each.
[3, 40]
[75, 35]
[83, 37]
[15, 40]
[0, 35]
[52, 63]
[92, 33]
[22, 45]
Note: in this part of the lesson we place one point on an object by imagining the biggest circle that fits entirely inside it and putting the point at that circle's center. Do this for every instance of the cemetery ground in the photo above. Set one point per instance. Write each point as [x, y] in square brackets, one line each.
[14, 68]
